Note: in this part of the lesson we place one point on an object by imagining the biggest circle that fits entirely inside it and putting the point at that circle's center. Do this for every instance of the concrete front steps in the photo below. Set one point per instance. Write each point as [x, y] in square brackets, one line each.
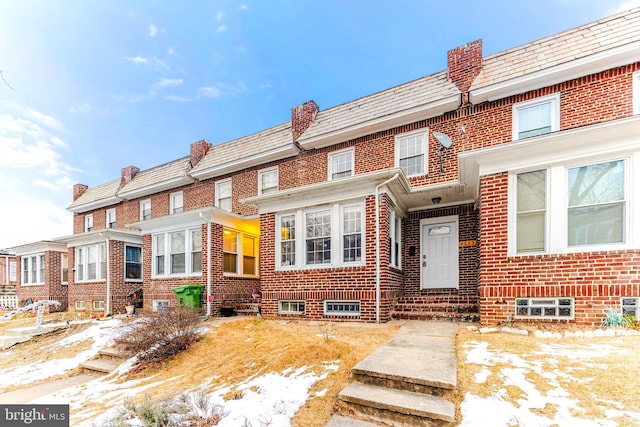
[410, 381]
[436, 308]
[107, 360]
[15, 336]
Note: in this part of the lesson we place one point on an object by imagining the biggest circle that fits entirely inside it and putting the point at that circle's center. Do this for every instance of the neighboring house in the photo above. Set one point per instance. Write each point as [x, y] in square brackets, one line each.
[504, 187]
[8, 268]
[42, 273]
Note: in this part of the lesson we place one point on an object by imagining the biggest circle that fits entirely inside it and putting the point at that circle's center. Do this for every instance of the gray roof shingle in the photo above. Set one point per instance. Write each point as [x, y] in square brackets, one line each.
[158, 174]
[97, 193]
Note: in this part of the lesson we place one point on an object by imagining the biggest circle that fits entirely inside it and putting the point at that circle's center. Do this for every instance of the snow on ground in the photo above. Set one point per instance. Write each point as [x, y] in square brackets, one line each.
[102, 335]
[497, 410]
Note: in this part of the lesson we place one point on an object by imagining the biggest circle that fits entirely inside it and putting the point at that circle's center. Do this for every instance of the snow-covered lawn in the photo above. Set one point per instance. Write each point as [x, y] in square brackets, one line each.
[535, 389]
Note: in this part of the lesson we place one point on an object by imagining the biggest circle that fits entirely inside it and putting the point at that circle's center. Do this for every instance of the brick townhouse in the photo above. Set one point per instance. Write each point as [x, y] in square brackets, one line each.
[504, 187]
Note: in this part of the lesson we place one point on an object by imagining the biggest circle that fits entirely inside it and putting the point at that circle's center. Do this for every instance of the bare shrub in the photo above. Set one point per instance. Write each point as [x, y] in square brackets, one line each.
[156, 339]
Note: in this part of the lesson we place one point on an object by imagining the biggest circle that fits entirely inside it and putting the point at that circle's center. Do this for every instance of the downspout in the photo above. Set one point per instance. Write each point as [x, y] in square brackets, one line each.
[107, 309]
[208, 221]
[378, 296]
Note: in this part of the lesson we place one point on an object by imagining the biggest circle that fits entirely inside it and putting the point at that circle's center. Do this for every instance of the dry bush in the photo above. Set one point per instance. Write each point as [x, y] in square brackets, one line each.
[157, 339]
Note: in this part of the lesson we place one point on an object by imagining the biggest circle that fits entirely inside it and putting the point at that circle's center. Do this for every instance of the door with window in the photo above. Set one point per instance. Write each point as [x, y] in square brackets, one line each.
[439, 255]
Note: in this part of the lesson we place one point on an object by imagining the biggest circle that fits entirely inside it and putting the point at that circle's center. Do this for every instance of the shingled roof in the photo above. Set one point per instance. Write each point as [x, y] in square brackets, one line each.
[158, 178]
[97, 196]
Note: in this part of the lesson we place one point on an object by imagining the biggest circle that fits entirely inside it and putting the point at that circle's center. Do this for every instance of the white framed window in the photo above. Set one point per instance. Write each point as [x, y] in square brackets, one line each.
[342, 308]
[395, 239]
[157, 303]
[177, 253]
[630, 305]
[341, 164]
[536, 117]
[98, 305]
[636, 92]
[291, 307]
[268, 180]
[64, 264]
[411, 152]
[90, 262]
[88, 223]
[223, 195]
[33, 271]
[332, 235]
[132, 262]
[145, 209]
[13, 271]
[584, 207]
[111, 218]
[80, 305]
[240, 252]
[175, 202]
[531, 204]
[548, 308]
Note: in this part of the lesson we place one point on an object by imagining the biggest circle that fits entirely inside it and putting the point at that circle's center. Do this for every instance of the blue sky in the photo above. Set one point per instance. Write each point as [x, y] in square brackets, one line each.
[94, 86]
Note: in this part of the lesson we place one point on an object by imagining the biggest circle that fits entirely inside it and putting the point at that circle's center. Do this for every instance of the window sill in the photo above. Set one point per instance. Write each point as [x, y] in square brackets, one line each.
[241, 276]
[32, 284]
[134, 280]
[80, 282]
[172, 276]
[320, 266]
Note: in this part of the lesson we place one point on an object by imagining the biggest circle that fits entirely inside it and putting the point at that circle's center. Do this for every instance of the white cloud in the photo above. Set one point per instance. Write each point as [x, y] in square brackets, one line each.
[221, 29]
[170, 51]
[244, 7]
[219, 16]
[625, 5]
[209, 91]
[180, 98]
[163, 82]
[154, 31]
[36, 179]
[137, 59]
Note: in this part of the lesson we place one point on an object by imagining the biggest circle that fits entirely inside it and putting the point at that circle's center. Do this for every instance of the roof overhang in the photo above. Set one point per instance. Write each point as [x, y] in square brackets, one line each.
[127, 236]
[245, 162]
[97, 204]
[557, 74]
[389, 121]
[39, 247]
[616, 137]
[198, 217]
[156, 187]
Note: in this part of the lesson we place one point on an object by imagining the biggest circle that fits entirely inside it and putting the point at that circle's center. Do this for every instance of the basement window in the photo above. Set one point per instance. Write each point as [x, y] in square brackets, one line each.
[291, 307]
[631, 306]
[157, 303]
[98, 305]
[545, 308]
[342, 308]
[80, 305]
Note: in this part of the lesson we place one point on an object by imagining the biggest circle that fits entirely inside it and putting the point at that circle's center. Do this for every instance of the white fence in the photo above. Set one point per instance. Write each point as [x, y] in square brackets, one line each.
[9, 301]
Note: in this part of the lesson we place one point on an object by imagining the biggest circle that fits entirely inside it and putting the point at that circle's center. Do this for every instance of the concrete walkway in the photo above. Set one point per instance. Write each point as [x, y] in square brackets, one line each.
[408, 381]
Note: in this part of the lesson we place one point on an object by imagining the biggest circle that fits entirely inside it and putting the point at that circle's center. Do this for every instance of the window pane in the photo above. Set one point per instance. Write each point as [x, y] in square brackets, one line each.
[196, 251]
[41, 278]
[176, 242]
[230, 263]
[341, 165]
[25, 270]
[596, 204]
[177, 263]
[92, 263]
[318, 244]
[133, 264]
[287, 239]
[411, 155]
[269, 181]
[34, 269]
[531, 211]
[412, 165]
[230, 249]
[159, 250]
[534, 120]
[352, 237]
[248, 255]
[160, 264]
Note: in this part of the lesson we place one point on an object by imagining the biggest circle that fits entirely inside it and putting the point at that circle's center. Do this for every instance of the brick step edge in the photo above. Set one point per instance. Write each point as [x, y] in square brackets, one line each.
[437, 315]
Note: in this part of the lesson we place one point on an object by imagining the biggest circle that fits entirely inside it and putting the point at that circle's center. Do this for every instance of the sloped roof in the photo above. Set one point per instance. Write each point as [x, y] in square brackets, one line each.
[273, 139]
[167, 173]
[94, 195]
[580, 42]
[420, 92]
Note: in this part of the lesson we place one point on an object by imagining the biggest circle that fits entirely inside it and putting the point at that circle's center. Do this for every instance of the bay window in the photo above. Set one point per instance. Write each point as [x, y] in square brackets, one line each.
[331, 236]
[91, 262]
[177, 253]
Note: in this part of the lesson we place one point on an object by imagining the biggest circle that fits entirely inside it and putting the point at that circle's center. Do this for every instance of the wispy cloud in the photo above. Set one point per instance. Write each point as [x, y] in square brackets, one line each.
[244, 7]
[137, 59]
[222, 89]
[221, 29]
[164, 82]
[141, 60]
[170, 51]
[154, 30]
[177, 98]
[219, 16]
[209, 91]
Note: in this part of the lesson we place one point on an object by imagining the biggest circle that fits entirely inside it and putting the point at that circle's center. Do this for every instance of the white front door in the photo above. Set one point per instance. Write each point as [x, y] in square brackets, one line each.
[439, 255]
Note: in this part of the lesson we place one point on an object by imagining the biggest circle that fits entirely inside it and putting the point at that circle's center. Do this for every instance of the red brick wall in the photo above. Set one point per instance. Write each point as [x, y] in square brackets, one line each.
[5, 270]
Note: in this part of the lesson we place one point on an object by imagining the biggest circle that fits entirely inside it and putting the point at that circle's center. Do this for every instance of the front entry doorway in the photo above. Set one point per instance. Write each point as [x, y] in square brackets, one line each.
[439, 253]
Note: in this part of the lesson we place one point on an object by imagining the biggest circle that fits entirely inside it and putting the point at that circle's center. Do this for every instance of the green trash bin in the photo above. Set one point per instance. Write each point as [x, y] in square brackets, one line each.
[188, 295]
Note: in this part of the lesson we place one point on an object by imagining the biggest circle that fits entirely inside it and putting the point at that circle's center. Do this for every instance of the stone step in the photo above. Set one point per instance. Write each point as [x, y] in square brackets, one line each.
[429, 370]
[7, 341]
[111, 353]
[100, 365]
[437, 315]
[398, 406]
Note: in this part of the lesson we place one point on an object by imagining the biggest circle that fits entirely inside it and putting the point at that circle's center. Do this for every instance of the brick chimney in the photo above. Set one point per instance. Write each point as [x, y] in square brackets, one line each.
[464, 64]
[301, 118]
[127, 174]
[78, 189]
[198, 151]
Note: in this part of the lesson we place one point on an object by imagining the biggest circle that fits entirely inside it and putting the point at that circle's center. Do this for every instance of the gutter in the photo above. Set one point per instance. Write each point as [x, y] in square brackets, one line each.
[208, 222]
[378, 296]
